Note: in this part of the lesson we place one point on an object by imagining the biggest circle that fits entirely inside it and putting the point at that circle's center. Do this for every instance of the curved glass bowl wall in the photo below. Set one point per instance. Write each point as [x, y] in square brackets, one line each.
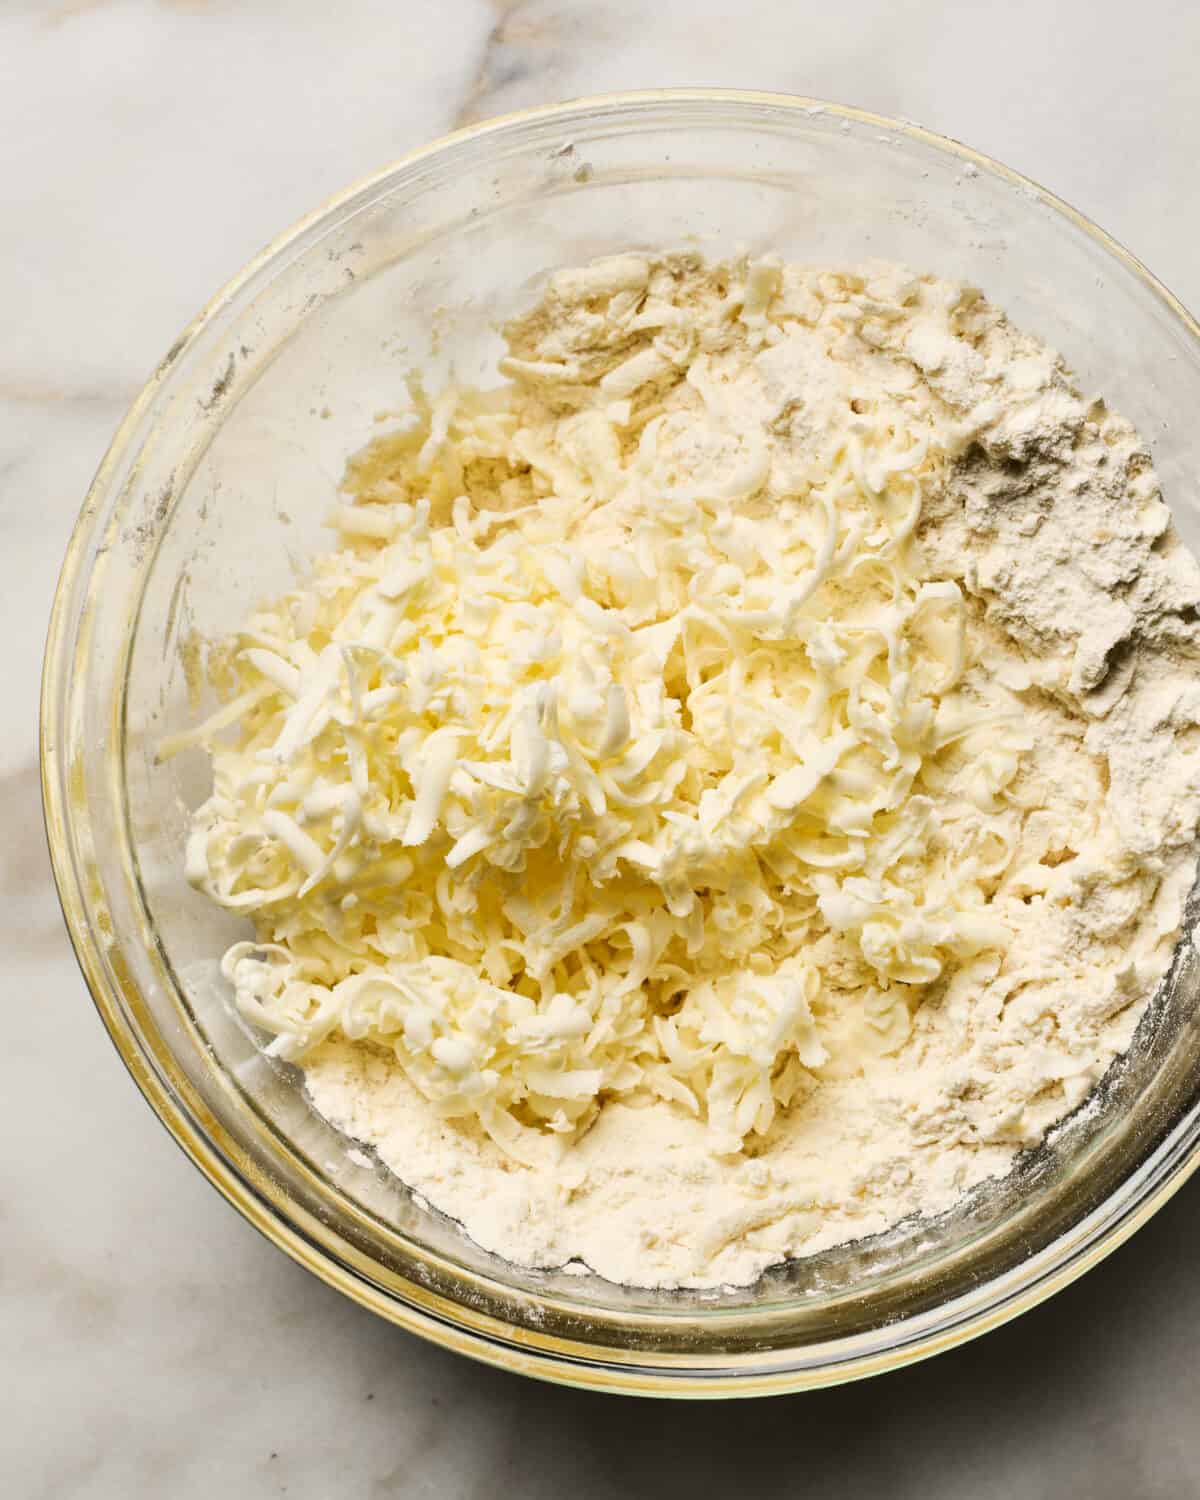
[213, 496]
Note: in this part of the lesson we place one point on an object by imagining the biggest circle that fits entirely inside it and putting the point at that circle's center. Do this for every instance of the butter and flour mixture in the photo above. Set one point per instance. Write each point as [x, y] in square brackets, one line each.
[733, 786]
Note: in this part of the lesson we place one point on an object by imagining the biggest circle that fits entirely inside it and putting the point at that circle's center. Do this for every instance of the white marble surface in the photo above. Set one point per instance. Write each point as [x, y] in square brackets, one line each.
[150, 1343]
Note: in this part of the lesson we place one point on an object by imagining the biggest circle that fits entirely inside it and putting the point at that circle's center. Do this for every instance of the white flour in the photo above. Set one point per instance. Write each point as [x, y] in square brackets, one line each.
[1045, 510]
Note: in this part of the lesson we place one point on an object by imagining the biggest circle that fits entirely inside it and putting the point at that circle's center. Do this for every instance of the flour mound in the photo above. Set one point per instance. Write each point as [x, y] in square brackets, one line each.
[766, 787]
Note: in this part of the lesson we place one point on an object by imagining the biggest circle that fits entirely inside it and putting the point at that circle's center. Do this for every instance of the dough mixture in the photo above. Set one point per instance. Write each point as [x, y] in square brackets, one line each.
[733, 786]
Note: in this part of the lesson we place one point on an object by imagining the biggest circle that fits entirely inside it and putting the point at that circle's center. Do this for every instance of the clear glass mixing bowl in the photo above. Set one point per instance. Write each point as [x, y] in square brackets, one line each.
[215, 489]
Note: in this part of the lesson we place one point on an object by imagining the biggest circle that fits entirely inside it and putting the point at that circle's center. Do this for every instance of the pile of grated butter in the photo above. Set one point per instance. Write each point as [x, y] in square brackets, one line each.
[629, 746]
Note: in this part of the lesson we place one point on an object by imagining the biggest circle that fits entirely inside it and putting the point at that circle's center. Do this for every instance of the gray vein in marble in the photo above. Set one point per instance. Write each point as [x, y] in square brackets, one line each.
[521, 46]
[60, 14]
[34, 393]
[29, 915]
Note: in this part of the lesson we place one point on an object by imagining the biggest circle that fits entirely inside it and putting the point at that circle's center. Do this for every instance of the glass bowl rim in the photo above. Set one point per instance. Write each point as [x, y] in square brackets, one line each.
[448, 1324]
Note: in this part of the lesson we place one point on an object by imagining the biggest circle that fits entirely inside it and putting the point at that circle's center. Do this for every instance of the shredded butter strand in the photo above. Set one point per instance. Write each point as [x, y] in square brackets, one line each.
[561, 775]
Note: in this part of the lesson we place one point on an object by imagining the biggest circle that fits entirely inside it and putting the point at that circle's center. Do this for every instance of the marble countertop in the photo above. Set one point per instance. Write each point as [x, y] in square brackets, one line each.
[153, 1344]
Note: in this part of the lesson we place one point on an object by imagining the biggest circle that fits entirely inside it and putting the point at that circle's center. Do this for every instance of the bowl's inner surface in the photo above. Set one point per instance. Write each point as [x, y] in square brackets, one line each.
[223, 501]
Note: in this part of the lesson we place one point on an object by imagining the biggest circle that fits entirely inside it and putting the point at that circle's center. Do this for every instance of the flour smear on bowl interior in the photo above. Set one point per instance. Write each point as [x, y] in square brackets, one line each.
[733, 785]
